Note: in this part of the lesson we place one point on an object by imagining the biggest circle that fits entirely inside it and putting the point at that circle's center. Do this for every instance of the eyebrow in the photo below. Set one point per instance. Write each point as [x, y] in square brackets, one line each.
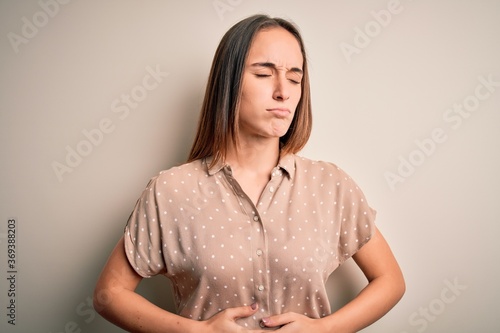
[272, 65]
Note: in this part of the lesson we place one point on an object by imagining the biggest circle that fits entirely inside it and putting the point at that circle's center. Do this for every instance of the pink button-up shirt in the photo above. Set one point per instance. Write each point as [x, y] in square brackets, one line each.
[198, 227]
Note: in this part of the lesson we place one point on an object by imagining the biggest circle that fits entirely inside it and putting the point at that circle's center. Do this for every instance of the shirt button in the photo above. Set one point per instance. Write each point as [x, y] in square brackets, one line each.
[256, 218]
[259, 252]
[261, 287]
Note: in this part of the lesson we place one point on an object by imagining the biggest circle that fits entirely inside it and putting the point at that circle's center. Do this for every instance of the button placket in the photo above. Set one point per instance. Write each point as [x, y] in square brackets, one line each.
[258, 255]
[259, 261]
[271, 189]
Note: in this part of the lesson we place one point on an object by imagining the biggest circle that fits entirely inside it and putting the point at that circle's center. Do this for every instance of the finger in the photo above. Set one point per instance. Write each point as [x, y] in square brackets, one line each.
[279, 320]
[242, 311]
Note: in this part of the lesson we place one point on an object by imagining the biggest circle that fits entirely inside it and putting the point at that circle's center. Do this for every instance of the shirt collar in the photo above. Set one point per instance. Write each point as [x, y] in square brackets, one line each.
[215, 168]
[285, 163]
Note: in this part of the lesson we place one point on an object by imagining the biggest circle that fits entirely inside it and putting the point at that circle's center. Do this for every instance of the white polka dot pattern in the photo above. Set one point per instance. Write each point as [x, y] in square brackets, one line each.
[198, 227]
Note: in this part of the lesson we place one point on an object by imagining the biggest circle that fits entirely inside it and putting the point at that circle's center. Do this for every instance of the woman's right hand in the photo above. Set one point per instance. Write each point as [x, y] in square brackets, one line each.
[225, 321]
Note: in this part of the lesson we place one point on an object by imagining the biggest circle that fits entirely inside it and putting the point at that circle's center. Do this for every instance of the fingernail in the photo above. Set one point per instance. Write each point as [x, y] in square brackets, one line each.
[254, 306]
[265, 321]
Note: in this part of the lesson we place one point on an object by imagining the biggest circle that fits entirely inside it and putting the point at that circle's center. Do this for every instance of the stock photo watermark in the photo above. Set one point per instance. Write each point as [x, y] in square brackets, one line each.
[11, 270]
[453, 117]
[223, 6]
[30, 26]
[424, 316]
[363, 36]
[121, 107]
[87, 309]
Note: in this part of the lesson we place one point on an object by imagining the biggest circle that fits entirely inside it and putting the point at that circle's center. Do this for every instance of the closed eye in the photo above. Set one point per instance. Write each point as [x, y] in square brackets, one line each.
[295, 79]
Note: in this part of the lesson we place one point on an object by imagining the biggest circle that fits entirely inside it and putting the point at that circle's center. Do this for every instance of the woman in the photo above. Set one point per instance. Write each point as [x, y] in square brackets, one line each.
[247, 231]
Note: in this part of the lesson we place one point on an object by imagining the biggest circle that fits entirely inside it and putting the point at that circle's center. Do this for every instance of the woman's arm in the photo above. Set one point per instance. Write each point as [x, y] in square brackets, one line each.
[385, 288]
[116, 300]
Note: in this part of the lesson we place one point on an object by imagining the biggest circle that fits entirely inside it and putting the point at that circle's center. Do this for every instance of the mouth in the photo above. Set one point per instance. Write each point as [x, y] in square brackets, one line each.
[279, 112]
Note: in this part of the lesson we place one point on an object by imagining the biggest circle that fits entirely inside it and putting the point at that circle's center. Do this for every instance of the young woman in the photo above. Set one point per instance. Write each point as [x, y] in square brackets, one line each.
[247, 231]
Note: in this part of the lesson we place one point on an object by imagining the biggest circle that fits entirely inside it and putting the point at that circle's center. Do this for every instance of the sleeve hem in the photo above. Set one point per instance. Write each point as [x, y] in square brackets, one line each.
[129, 250]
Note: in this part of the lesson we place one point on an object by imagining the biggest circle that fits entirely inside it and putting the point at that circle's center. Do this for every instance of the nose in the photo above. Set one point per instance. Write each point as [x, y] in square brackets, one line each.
[281, 92]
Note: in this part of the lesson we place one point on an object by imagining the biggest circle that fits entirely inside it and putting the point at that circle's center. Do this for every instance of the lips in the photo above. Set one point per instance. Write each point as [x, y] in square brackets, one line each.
[279, 112]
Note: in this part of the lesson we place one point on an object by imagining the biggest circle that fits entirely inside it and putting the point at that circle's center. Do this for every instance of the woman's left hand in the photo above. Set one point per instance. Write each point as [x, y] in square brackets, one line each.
[292, 322]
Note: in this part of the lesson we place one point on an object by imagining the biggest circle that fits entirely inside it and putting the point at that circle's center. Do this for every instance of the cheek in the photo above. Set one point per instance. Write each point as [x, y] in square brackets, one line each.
[253, 94]
[296, 97]
[298, 92]
[259, 88]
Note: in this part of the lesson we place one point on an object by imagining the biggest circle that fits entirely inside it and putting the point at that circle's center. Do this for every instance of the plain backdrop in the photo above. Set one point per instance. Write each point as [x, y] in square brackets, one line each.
[406, 98]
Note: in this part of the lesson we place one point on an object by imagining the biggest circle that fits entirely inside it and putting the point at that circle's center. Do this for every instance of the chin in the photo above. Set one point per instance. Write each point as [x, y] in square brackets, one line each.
[280, 132]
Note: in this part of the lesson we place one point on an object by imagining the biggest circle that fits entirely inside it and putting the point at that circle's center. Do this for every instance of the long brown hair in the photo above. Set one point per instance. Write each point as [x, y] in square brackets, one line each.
[218, 123]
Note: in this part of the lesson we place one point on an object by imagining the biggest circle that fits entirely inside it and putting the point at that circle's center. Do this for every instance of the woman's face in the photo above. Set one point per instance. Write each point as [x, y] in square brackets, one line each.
[271, 87]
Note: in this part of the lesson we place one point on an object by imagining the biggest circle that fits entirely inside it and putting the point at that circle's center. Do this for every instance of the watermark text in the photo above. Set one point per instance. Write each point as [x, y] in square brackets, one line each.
[31, 26]
[453, 117]
[121, 107]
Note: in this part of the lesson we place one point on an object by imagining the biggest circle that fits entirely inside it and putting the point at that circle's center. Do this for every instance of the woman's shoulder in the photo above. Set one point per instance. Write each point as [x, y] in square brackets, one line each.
[187, 168]
[326, 173]
[181, 174]
[320, 166]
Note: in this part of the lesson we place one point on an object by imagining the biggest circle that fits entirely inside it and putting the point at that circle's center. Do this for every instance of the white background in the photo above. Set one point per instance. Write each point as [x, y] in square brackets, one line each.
[61, 77]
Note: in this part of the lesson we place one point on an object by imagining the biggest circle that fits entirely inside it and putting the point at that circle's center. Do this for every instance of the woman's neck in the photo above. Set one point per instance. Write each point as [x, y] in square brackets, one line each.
[254, 158]
[252, 166]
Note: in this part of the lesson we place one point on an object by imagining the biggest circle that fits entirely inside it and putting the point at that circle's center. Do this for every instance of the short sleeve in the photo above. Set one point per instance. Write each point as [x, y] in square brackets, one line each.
[143, 236]
[357, 218]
